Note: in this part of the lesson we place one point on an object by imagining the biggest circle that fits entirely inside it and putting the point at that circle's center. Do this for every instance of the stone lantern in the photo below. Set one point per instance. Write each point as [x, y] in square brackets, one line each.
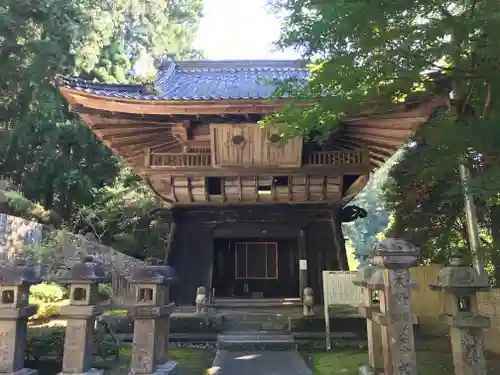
[392, 259]
[367, 310]
[83, 280]
[460, 283]
[15, 283]
[151, 315]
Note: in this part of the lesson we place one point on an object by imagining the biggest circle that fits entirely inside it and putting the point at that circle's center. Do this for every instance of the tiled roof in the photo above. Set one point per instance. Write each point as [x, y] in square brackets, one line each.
[203, 80]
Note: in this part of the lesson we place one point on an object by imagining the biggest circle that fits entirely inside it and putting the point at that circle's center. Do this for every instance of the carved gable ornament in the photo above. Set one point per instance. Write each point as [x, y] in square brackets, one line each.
[238, 141]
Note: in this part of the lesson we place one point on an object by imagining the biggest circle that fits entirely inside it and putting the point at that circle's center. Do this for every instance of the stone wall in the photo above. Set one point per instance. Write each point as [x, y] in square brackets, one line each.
[54, 251]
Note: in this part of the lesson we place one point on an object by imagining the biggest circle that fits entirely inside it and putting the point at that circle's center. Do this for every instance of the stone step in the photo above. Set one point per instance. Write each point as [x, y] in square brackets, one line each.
[260, 363]
[254, 317]
[257, 303]
[247, 340]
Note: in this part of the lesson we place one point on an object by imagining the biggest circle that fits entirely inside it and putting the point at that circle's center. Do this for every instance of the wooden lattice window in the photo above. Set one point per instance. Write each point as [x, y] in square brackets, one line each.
[256, 260]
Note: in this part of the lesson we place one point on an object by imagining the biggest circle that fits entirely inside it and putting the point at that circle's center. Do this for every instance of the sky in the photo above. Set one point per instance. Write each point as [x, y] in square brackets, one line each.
[239, 29]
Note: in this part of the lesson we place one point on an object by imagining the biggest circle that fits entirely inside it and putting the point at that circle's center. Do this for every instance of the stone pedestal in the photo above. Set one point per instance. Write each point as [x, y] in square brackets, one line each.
[393, 259]
[151, 315]
[367, 310]
[460, 283]
[15, 310]
[83, 280]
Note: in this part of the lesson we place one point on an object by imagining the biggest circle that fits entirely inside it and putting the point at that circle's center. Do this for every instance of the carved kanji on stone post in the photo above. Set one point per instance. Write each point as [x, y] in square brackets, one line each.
[83, 280]
[151, 315]
[15, 310]
[375, 354]
[393, 259]
[460, 283]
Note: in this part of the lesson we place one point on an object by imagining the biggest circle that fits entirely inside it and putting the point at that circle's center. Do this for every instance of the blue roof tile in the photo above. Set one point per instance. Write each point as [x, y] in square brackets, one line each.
[204, 80]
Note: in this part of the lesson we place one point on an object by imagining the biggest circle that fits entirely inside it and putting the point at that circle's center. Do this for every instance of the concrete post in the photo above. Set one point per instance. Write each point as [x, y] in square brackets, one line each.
[460, 283]
[151, 315]
[83, 280]
[15, 310]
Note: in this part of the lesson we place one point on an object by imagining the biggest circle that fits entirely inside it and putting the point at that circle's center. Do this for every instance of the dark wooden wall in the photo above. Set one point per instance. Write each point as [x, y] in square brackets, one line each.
[192, 251]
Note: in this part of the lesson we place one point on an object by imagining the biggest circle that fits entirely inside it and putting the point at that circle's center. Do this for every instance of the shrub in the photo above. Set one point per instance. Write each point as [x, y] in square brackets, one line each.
[105, 291]
[46, 293]
[49, 298]
[47, 342]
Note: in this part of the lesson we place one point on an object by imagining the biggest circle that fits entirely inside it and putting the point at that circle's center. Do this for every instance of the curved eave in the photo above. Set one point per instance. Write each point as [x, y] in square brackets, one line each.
[172, 107]
[385, 133]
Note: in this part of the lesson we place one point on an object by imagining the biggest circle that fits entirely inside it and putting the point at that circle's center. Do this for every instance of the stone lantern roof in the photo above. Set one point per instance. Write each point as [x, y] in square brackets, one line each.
[459, 278]
[364, 274]
[86, 272]
[20, 274]
[153, 272]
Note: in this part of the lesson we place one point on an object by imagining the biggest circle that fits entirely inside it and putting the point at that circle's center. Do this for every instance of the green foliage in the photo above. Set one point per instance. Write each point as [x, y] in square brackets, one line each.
[46, 342]
[367, 60]
[19, 205]
[49, 299]
[46, 292]
[58, 170]
[119, 217]
[105, 291]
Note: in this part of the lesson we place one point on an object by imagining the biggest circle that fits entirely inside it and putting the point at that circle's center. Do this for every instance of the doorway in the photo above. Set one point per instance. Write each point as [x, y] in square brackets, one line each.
[246, 268]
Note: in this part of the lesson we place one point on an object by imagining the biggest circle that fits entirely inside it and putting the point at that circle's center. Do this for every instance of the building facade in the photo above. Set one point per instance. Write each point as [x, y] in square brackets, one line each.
[253, 215]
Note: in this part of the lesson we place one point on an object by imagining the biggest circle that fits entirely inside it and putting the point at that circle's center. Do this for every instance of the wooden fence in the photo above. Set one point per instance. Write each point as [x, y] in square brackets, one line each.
[123, 291]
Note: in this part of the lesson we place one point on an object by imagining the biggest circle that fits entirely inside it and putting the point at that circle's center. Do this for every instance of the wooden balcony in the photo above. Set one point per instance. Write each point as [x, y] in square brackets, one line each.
[201, 163]
[178, 160]
[323, 158]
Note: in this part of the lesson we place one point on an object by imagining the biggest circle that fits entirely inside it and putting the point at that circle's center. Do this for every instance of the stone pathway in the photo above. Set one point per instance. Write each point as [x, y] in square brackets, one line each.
[259, 363]
[258, 353]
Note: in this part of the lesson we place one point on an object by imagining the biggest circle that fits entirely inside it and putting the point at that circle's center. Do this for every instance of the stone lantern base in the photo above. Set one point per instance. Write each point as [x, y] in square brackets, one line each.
[366, 370]
[92, 371]
[23, 371]
[168, 368]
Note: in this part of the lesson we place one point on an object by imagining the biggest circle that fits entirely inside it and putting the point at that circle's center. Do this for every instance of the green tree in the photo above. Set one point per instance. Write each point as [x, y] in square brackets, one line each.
[395, 51]
[49, 157]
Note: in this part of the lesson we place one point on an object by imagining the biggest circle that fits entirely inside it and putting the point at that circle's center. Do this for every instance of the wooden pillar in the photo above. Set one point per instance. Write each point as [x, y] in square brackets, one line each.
[302, 261]
[339, 243]
[170, 240]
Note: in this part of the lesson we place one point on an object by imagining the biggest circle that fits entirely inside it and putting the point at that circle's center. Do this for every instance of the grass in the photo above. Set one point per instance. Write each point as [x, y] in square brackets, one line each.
[191, 361]
[347, 362]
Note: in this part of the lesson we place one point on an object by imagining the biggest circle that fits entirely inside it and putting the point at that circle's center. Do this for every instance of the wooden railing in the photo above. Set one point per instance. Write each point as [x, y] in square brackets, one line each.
[186, 159]
[336, 157]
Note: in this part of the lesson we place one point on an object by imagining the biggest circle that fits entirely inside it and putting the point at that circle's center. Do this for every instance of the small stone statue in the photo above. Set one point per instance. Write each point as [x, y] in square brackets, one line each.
[201, 298]
[308, 302]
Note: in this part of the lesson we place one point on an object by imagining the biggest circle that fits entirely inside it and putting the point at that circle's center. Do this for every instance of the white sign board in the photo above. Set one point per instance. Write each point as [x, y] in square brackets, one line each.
[339, 289]
[303, 264]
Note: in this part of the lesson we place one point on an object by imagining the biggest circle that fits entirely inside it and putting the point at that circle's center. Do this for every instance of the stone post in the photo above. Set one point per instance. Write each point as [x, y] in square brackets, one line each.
[83, 280]
[151, 315]
[393, 259]
[308, 302]
[15, 310]
[460, 283]
[375, 351]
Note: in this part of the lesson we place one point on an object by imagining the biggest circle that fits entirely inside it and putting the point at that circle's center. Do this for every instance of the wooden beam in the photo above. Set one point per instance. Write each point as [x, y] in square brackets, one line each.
[386, 133]
[324, 170]
[120, 132]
